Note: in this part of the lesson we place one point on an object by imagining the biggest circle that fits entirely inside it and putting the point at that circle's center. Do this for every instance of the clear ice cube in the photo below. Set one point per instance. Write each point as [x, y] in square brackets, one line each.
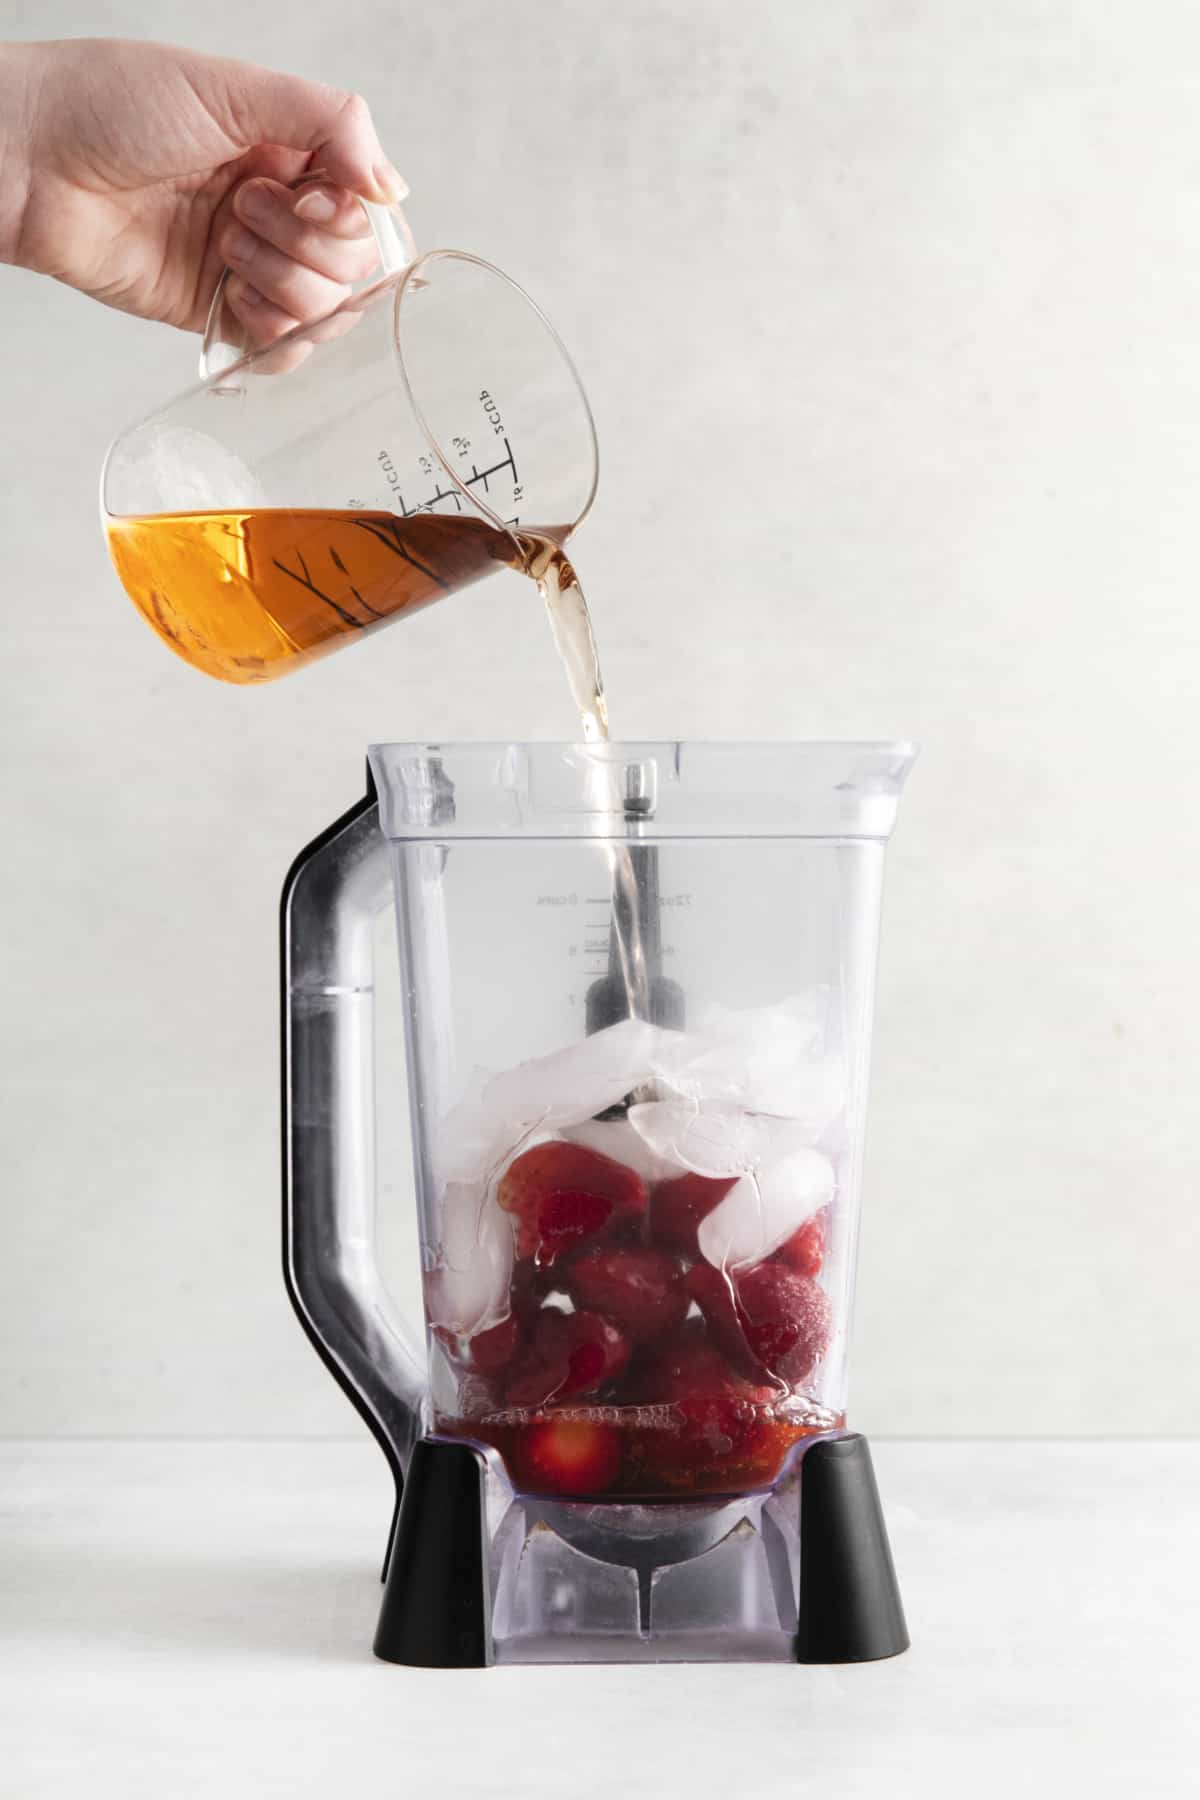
[620, 1140]
[768, 1059]
[764, 1209]
[468, 1289]
[715, 1139]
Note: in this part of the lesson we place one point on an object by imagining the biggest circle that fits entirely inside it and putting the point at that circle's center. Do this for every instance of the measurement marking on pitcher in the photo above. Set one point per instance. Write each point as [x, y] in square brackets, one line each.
[440, 493]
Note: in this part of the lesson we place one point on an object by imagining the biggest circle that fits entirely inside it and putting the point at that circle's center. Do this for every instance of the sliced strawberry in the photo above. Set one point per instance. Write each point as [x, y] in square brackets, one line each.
[786, 1319]
[638, 1289]
[571, 1354]
[677, 1208]
[562, 1195]
[804, 1251]
[565, 1456]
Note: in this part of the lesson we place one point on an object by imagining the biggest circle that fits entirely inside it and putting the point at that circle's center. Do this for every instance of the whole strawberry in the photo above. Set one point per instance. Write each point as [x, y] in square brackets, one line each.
[564, 1195]
[639, 1289]
[786, 1320]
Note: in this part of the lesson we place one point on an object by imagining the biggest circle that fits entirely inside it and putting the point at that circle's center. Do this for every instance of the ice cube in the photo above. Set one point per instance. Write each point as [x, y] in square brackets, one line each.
[769, 1059]
[468, 1289]
[618, 1139]
[763, 1210]
[576, 1083]
[714, 1140]
[507, 1111]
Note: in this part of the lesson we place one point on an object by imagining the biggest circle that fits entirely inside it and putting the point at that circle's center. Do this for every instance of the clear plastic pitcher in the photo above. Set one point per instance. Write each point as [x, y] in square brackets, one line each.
[637, 1233]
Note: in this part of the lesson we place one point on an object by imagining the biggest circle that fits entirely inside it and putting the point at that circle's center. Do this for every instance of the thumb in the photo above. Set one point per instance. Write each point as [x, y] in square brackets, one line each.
[247, 106]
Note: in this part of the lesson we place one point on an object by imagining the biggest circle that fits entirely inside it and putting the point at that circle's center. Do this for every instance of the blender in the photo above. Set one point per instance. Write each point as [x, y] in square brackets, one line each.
[638, 992]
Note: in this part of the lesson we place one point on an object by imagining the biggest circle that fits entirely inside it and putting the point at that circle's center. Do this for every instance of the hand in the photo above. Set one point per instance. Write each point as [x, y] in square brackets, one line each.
[135, 173]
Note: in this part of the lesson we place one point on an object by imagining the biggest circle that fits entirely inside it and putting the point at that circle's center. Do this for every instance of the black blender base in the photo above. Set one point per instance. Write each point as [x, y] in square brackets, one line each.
[435, 1611]
[850, 1607]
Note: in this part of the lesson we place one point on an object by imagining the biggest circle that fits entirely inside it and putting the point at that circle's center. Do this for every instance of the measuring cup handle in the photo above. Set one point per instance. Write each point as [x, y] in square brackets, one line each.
[221, 348]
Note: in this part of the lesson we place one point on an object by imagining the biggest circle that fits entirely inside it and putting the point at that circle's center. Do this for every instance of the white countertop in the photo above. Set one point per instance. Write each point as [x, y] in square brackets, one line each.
[185, 1619]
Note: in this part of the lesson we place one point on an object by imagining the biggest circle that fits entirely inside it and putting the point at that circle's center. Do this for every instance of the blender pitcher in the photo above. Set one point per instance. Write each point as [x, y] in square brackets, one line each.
[638, 984]
[429, 431]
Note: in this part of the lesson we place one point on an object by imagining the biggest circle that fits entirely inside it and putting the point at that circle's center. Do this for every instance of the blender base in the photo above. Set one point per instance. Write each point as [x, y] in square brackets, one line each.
[478, 1575]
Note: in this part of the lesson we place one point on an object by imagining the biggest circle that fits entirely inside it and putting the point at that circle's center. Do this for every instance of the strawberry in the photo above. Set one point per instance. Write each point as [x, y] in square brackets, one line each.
[804, 1251]
[677, 1207]
[565, 1456]
[572, 1353]
[638, 1289]
[721, 1418]
[693, 1367]
[713, 1294]
[562, 1195]
[493, 1350]
[768, 1317]
[786, 1319]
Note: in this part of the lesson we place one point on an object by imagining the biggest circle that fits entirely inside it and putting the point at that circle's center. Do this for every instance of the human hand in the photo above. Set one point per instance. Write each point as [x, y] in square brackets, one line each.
[136, 172]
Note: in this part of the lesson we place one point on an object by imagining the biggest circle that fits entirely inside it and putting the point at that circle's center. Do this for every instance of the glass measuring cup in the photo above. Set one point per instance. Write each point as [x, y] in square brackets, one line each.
[414, 440]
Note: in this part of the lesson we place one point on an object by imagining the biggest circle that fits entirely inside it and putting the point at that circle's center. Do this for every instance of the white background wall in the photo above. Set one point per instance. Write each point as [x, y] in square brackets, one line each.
[891, 317]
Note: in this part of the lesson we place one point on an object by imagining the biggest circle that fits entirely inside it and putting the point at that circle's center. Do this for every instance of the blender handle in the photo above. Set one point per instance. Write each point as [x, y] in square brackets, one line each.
[397, 249]
[333, 894]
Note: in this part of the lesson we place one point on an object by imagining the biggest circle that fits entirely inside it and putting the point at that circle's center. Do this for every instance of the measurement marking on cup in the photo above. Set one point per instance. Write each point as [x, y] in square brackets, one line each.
[440, 493]
[482, 474]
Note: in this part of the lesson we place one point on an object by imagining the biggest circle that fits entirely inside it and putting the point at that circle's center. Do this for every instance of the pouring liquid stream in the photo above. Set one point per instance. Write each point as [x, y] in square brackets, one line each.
[571, 626]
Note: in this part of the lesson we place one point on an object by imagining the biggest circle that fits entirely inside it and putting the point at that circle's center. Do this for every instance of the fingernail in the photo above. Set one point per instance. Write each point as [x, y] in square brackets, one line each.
[253, 202]
[315, 205]
[391, 183]
[249, 296]
[240, 246]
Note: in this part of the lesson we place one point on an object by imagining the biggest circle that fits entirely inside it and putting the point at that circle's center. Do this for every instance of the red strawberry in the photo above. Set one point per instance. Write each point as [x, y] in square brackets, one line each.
[565, 1456]
[563, 1194]
[804, 1251]
[786, 1319]
[774, 1319]
[677, 1207]
[693, 1367]
[714, 1296]
[572, 1353]
[722, 1419]
[710, 1290]
[639, 1289]
[494, 1349]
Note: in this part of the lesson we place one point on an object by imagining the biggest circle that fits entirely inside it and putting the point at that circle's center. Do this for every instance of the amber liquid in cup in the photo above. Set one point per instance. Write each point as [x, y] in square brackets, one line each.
[245, 596]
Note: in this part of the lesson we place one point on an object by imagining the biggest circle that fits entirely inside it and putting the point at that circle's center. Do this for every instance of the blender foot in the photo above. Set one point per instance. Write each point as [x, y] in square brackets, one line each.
[434, 1611]
[850, 1607]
